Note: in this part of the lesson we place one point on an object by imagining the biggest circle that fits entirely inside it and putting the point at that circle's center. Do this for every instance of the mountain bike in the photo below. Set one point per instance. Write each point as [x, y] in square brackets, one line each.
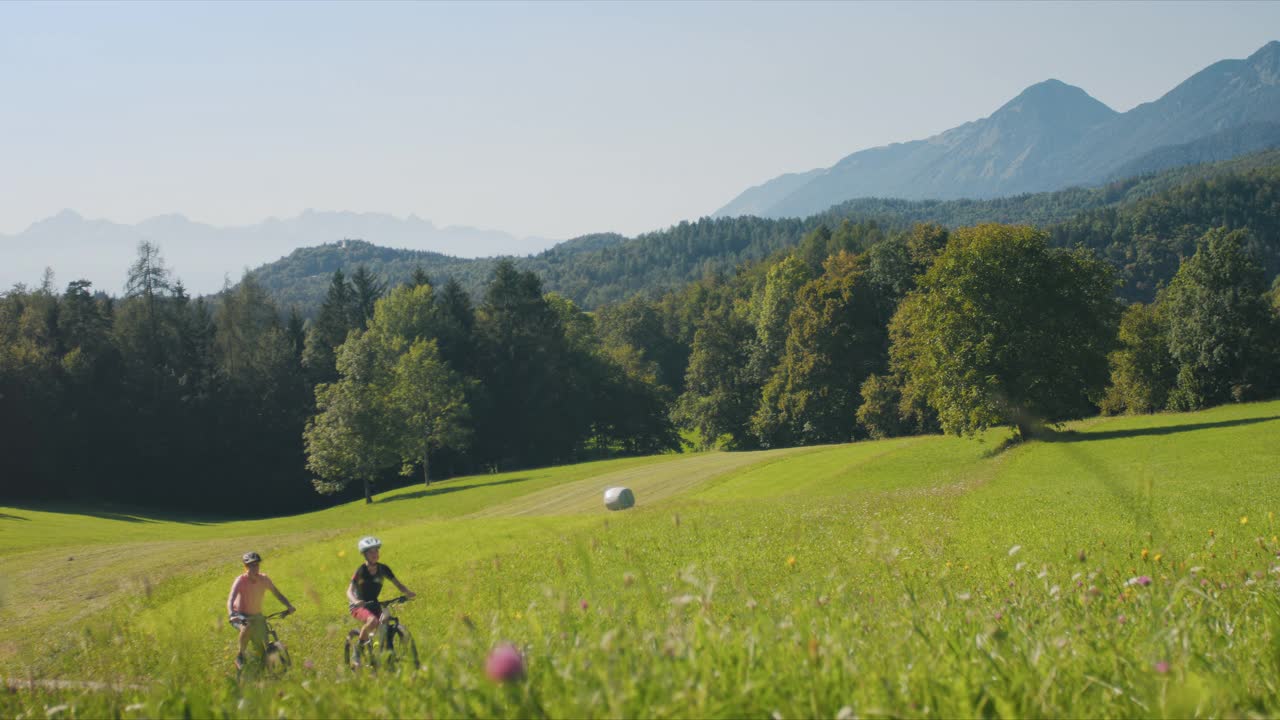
[266, 656]
[391, 647]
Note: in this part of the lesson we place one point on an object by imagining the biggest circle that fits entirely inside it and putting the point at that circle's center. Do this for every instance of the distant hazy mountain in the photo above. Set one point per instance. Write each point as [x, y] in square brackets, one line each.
[1051, 136]
[1225, 145]
[202, 256]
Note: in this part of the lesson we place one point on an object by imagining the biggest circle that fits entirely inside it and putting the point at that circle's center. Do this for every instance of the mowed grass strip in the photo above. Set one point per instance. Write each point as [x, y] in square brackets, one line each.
[651, 484]
[1126, 568]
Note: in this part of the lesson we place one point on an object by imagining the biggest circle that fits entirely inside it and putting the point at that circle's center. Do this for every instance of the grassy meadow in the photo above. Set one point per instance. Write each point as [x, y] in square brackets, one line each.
[1126, 567]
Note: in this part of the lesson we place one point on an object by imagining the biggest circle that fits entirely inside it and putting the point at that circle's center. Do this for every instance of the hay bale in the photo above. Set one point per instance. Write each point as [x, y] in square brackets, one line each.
[619, 498]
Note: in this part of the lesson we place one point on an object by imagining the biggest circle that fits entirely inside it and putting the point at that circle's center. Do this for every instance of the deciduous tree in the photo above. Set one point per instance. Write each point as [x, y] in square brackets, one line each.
[1004, 329]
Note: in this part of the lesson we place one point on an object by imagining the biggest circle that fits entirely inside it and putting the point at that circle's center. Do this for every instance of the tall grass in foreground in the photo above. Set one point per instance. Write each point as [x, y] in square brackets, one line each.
[1129, 569]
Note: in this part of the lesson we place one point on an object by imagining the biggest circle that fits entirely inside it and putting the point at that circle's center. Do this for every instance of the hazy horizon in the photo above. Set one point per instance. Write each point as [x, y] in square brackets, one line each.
[543, 120]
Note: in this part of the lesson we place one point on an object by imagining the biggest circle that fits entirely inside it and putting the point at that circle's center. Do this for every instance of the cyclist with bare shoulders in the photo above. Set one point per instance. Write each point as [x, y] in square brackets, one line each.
[244, 604]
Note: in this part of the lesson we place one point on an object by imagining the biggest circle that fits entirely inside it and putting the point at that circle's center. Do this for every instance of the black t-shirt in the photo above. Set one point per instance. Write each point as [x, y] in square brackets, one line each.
[368, 584]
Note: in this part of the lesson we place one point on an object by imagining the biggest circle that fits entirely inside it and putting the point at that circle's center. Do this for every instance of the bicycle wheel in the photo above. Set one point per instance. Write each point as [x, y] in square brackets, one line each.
[360, 655]
[401, 650]
[276, 660]
[351, 650]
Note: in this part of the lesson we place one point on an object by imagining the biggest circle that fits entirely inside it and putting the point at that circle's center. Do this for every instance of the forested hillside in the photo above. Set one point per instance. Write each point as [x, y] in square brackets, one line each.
[597, 270]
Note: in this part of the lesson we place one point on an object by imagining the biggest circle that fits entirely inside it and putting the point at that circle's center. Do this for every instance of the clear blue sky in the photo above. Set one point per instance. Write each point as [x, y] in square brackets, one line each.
[538, 119]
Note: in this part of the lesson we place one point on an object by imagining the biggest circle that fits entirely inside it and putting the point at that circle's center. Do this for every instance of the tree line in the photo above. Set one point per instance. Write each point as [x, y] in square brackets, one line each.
[228, 404]
[859, 333]
[858, 329]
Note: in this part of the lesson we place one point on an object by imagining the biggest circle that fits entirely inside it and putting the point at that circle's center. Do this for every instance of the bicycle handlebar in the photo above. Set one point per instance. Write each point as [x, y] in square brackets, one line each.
[282, 613]
[392, 601]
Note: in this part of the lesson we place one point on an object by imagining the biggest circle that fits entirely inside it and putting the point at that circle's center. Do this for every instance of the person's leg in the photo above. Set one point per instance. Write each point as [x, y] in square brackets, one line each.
[255, 632]
[368, 621]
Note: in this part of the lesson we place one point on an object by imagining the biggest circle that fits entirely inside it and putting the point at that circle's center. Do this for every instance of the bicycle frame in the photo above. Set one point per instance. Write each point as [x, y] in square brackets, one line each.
[261, 651]
[389, 628]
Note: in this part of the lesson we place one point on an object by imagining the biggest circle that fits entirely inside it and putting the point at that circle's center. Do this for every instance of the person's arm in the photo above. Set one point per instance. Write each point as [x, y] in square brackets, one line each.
[407, 592]
[288, 606]
[351, 592]
[231, 599]
[400, 586]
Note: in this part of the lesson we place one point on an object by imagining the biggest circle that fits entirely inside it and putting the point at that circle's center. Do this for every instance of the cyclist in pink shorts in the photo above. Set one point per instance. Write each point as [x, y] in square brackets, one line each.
[366, 584]
[244, 604]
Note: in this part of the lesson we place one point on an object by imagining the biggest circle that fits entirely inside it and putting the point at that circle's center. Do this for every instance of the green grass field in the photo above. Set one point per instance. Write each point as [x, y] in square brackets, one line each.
[1126, 568]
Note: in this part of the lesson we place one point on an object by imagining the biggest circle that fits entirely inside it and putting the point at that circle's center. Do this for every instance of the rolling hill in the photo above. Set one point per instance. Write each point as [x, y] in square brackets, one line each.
[928, 575]
[597, 270]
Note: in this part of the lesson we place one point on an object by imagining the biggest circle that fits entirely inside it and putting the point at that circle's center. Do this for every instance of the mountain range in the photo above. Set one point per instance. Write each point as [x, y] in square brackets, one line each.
[1051, 136]
[204, 256]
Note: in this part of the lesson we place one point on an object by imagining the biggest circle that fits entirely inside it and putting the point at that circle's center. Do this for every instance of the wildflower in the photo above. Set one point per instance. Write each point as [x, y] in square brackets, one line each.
[1244, 519]
[1014, 550]
[1162, 667]
[582, 604]
[1211, 532]
[1158, 557]
[342, 553]
[791, 561]
[1143, 580]
[308, 664]
[1144, 553]
[1122, 619]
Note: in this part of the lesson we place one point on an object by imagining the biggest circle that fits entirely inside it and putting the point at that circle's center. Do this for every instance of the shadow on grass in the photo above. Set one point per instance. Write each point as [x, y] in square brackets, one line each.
[108, 515]
[429, 492]
[1075, 436]
[1013, 440]
[139, 516]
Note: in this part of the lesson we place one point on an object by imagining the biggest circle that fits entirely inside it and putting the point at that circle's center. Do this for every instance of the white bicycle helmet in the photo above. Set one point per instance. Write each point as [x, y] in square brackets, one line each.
[368, 543]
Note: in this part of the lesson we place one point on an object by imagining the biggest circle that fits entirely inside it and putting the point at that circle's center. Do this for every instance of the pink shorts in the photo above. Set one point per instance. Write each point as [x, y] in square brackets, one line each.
[363, 614]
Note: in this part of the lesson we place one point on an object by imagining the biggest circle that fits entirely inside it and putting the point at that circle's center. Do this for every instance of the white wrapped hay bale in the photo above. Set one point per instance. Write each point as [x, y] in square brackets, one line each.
[619, 498]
